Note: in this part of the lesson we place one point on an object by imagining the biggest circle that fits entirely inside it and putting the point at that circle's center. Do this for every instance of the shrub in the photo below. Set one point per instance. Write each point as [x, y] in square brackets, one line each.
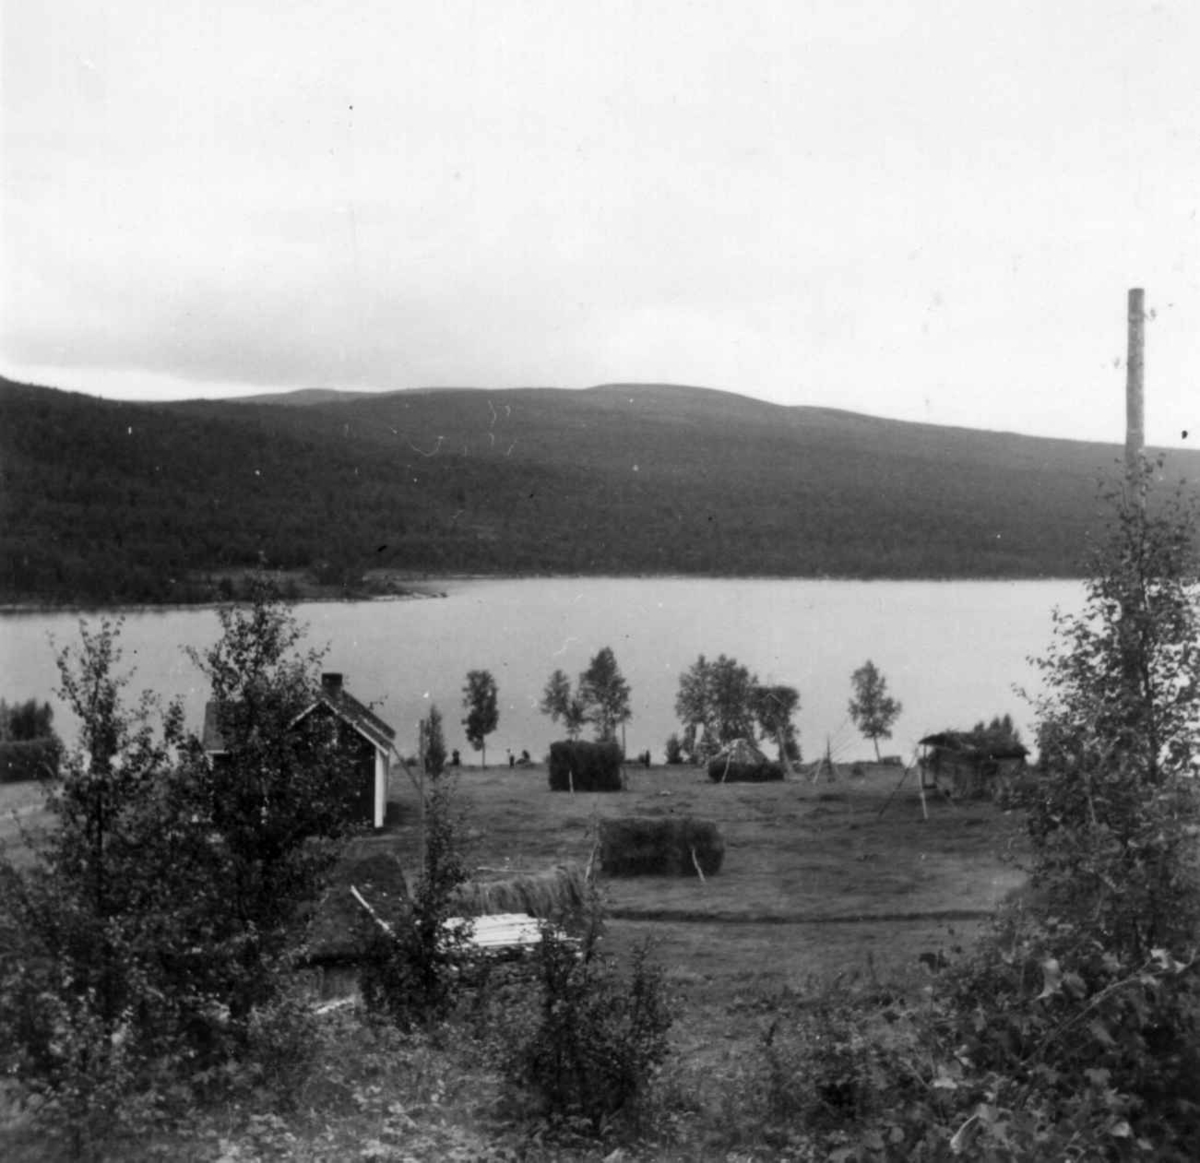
[588, 1047]
[727, 771]
[674, 750]
[153, 935]
[411, 974]
[578, 766]
[823, 1065]
[29, 759]
[660, 846]
[1044, 1040]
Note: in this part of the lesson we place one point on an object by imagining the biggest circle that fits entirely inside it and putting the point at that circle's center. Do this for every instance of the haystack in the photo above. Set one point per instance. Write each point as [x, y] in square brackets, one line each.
[551, 894]
[739, 761]
[660, 846]
[578, 766]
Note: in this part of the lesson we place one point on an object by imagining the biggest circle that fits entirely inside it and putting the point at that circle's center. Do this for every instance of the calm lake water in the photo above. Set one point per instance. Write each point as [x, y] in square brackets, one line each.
[952, 652]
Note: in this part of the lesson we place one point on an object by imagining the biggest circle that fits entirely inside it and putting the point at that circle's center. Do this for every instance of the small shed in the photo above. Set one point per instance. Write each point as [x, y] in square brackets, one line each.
[368, 742]
[972, 766]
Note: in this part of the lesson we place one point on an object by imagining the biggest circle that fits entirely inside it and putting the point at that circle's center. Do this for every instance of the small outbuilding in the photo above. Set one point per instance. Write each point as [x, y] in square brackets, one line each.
[366, 739]
[969, 764]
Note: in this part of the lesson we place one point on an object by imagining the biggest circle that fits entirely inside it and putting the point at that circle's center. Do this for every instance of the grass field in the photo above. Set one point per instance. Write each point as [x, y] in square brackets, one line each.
[21, 810]
[819, 879]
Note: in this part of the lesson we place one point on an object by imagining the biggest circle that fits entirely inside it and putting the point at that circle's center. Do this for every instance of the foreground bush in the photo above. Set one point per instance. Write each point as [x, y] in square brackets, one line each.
[149, 946]
[413, 970]
[588, 1047]
[1047, 1040]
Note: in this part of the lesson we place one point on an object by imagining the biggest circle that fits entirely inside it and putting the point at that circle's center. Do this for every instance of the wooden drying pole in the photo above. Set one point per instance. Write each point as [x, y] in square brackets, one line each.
[789, 770]
[825, 764]
[1135, 439]
[920, 785]
[1135, 401]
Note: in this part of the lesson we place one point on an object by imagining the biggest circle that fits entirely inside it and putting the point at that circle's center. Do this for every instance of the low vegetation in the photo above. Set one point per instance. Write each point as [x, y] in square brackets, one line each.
[29, 747]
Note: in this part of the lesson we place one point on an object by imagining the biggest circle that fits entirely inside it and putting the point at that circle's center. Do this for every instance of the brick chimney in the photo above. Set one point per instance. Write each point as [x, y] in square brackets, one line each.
[331, 684]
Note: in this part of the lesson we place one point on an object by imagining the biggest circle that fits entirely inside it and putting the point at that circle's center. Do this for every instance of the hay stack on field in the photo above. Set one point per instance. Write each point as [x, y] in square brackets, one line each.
[585, 766]
[660, 846]
[553, 893]
[741, 762]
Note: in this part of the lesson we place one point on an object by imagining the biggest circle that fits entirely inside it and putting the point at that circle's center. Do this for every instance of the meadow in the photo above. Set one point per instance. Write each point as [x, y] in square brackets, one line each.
[820, 879]
[842, 878]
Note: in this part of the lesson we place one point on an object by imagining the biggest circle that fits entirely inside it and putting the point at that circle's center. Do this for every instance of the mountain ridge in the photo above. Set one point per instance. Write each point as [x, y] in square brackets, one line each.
[305, 396]
[114, 501]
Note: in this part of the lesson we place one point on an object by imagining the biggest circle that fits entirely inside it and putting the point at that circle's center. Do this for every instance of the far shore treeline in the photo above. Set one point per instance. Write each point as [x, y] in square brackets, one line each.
[113, 502]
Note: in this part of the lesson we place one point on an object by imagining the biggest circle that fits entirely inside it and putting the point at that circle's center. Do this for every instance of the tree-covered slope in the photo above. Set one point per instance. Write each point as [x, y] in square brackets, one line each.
[108, 501]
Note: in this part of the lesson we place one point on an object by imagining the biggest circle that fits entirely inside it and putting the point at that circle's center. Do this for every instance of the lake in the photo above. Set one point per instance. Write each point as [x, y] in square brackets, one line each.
[952, 652]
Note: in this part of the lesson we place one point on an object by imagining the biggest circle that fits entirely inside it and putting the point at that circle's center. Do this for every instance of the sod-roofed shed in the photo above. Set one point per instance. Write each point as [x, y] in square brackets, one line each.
[365, 739]
[973, 766]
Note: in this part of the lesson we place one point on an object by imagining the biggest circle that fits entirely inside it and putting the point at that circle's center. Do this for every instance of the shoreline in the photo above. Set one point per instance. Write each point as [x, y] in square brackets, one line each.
[433, 589]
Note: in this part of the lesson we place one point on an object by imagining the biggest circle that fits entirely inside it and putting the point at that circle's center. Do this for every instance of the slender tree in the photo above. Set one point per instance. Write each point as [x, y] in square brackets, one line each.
[435, 744]
[604, 693]
[1115, 821]
[279, 796]
[483, 714]
[560, 702]
[109, 930]
[693, 706]
[773, 708]
[872, 710]
[556, 695]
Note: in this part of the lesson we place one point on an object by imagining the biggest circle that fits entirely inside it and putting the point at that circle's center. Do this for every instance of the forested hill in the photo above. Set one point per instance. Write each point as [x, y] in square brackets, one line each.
[107, 501]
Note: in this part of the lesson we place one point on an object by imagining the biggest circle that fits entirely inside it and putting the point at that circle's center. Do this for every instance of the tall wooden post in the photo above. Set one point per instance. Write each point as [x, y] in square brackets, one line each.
[422, 744]
[1135, 417]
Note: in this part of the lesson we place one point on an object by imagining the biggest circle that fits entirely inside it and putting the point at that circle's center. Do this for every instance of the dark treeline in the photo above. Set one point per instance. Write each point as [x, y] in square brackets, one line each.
[108, 501]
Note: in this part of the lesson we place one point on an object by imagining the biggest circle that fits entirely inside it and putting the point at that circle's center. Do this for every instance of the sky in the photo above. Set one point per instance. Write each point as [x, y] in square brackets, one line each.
[915, 209]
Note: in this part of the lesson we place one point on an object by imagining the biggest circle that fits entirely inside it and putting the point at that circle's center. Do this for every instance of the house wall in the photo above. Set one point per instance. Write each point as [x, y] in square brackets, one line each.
[382, 773]
[972, 776]
[364, 777]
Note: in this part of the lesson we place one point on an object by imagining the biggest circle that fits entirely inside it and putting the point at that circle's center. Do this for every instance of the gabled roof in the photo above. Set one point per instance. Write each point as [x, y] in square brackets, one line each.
[331, 695]
[347, 708]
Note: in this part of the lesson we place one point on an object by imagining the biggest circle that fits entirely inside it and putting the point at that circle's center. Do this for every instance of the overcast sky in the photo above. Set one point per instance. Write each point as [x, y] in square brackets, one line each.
[923, 210]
